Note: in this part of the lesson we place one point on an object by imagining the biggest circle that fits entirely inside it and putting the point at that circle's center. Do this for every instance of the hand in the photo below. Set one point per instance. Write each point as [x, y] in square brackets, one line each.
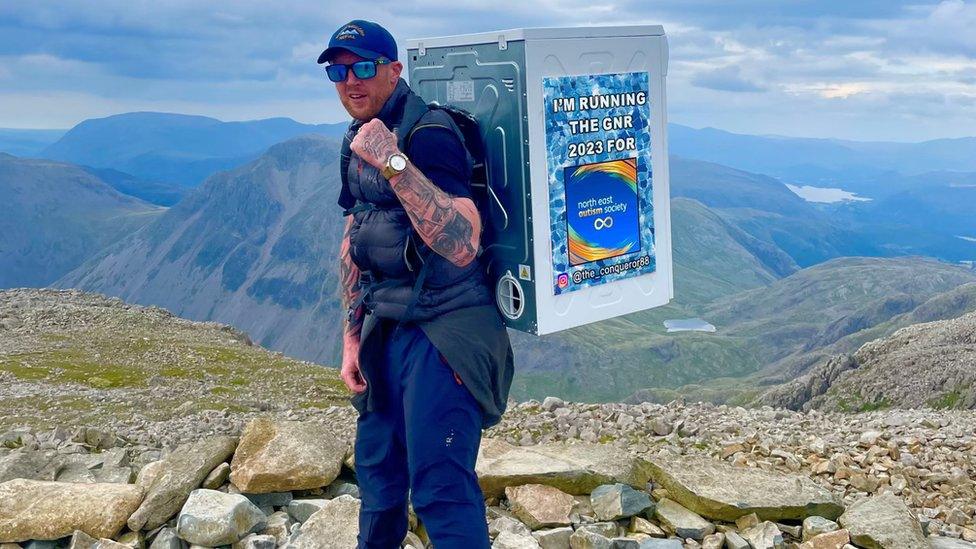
[374, 143]
[350, 371]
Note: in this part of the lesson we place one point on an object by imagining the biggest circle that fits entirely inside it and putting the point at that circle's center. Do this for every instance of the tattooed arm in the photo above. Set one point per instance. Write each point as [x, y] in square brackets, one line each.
[450, 225]
[352, 325]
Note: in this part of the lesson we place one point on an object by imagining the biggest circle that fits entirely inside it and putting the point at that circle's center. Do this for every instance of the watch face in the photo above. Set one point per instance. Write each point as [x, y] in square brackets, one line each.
[398, 162]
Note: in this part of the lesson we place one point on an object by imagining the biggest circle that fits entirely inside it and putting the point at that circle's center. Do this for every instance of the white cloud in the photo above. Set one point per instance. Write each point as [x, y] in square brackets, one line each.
[841, 90]
[946, 28]
[301, 53]
[866, 69]
[727, 78]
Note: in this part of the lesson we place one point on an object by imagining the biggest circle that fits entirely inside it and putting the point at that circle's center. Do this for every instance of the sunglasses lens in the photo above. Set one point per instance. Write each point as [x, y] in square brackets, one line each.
[364, 69]
[337, 73]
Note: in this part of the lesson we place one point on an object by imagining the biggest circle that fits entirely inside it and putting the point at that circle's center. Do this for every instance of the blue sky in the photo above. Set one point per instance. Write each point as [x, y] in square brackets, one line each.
[867, 70]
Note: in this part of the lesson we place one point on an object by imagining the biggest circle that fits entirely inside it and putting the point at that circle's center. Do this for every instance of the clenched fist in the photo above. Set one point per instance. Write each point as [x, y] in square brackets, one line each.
[374, 143]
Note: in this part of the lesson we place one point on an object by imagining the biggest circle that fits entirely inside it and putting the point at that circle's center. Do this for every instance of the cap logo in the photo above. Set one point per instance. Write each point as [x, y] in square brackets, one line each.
[350, 32]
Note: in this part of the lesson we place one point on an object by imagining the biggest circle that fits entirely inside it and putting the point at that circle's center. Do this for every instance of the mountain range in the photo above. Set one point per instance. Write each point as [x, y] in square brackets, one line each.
[27, 143]
[155, 156]
[55, 215]
[179, 148]
[263, 237]
[255, 246]
[174, 148]
[823, 162]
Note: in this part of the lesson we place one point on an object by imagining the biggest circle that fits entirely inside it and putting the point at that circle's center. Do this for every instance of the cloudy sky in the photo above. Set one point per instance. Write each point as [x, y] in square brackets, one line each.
[863, 69]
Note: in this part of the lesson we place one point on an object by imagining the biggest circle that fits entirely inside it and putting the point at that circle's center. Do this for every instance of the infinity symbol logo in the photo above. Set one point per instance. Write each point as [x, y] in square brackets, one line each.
[601, 223]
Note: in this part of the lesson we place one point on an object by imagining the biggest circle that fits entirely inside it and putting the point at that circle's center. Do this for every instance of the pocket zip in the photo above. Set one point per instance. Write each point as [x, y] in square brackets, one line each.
[457, 378]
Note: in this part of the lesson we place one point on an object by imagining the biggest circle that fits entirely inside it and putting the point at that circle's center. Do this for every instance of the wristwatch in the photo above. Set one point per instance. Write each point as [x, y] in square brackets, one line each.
[395, 164]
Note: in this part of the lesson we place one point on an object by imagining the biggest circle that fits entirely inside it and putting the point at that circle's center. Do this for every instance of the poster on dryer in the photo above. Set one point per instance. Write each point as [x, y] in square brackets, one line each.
[598, 145]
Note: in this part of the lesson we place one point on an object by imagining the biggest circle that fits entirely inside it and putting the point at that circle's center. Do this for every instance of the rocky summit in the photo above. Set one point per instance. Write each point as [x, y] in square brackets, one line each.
[124, 427]
[724, 477]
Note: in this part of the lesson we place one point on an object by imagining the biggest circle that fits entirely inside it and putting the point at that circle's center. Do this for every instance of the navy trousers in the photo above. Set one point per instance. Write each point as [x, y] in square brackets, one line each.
[424, 438]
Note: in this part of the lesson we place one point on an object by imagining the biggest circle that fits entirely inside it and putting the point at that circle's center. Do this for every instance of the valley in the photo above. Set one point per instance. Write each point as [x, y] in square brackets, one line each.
[783, 281]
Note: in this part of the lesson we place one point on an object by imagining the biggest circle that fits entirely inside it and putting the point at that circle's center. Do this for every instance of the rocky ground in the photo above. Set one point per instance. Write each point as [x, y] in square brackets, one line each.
[161, 456]
[649, 476]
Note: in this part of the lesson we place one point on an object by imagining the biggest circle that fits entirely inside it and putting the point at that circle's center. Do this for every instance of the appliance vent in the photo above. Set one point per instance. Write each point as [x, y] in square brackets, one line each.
[509, 296]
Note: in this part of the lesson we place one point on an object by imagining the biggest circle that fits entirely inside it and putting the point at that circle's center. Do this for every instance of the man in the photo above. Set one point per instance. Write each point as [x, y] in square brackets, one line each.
[424, 349]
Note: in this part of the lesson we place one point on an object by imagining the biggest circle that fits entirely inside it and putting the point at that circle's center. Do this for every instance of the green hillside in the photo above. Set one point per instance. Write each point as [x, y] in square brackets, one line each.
[944, 306]
[96, 360]
[755, 328]
[792, 311]
[712, 258]
[608, 360]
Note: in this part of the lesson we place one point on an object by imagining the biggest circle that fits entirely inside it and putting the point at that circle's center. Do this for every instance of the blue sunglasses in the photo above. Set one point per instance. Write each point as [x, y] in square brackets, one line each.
[363, 70]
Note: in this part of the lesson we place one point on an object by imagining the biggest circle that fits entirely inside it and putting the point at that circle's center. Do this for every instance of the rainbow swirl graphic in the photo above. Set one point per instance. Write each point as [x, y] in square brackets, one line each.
[604, 175]
[581, 251]
[624, 170]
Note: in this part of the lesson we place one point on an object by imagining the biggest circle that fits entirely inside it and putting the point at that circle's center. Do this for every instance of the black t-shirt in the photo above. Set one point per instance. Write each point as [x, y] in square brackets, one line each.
[439, 155]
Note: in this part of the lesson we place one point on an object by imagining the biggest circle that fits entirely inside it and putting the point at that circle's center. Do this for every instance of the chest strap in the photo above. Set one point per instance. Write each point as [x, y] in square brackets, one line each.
[368, 285]
[359, 207]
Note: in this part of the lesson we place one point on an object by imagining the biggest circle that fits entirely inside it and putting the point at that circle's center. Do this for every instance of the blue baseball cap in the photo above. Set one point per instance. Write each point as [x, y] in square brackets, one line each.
[364, 38]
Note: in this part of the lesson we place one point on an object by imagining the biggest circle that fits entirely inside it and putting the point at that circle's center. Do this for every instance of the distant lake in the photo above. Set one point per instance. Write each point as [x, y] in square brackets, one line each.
[688, 325]
[824, 195]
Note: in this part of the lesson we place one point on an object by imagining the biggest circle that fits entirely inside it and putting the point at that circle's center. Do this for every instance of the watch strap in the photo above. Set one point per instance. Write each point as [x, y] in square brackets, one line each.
[389, 171]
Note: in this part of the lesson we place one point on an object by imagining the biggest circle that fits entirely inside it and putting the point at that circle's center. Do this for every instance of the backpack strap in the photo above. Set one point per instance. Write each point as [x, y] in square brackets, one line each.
[461, 137]
[417, 287]
[345, 153]
[368, 285]
[413, 111]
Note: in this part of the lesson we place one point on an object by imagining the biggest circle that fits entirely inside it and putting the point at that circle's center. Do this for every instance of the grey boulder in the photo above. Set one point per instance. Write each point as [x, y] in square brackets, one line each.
[616, 501]
[717, 490]
[280, 456]
[178, 474]
[883, 522]
[213, 518]
[44, 510]
[572, 468]
[334, 526]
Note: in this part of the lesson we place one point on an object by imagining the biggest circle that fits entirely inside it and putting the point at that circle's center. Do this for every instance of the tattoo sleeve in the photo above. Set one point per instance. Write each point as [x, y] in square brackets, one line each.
[450, 225]
[349, 283]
